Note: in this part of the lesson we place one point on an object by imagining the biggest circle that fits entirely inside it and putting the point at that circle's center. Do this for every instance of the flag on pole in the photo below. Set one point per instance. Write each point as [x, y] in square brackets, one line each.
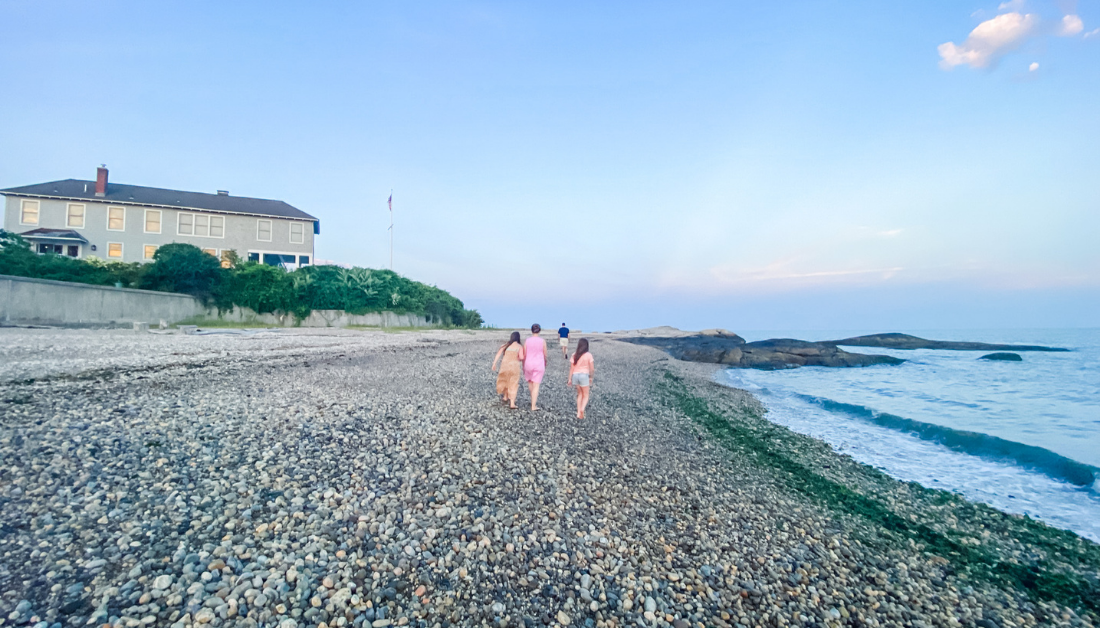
[391, 201]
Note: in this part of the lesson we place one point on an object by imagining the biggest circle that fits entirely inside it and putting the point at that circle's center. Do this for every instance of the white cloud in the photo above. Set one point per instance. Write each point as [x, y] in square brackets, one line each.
[1033, 67]
[1071, 25]
[1011, 5]
[989, 41]
[1093, 33]
[890, 233]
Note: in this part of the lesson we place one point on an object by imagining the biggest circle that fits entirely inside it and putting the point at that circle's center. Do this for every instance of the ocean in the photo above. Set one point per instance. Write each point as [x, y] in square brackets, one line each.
[1023, 437]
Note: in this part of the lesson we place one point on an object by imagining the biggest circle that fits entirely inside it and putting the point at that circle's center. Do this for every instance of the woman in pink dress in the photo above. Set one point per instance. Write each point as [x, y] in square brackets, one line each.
[534, 363]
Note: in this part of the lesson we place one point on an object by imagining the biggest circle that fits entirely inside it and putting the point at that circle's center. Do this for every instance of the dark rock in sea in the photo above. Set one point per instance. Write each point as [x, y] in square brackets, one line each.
[781, 353]
[1005, 357]
[905, 341]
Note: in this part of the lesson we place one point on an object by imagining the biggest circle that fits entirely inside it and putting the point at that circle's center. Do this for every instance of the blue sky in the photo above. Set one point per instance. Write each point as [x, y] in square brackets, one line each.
[808, 165]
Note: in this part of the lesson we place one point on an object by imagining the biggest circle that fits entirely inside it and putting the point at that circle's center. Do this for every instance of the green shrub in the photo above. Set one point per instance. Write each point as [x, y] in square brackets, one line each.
[180, 267]
[185, 268]
[17, 258]
[264, 289]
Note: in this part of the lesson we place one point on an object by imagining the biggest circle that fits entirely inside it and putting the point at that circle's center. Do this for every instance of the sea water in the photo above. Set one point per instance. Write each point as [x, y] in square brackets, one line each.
[1023, 437]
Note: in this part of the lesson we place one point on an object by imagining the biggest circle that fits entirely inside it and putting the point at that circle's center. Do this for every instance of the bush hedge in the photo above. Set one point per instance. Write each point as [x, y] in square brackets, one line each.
[185, 268]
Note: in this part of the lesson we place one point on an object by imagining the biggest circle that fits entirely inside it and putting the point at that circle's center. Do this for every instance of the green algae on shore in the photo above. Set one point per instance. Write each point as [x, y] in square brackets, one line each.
[1059, 566]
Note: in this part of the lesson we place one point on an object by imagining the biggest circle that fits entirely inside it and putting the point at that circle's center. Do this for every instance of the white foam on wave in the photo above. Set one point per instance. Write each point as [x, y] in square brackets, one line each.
[1002, 485]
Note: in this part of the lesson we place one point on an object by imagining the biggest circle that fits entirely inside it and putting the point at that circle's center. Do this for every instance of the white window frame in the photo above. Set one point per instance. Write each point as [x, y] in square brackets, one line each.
[270, 230]
[109, 218]
[160, 221]
[145, 246]
[83, 215]
[210, 227]
[301, 233]
[215, 253]
[23, 211]
[210, 218]
[121, 250]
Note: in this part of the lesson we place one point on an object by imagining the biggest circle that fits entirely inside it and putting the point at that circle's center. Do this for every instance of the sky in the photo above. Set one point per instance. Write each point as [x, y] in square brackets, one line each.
[615, 165]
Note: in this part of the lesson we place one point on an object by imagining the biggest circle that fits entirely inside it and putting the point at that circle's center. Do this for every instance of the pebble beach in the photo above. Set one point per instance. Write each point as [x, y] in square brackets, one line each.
[318, 478]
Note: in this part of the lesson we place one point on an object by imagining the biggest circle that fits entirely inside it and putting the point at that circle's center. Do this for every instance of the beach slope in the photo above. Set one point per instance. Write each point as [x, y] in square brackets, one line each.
[316, 477]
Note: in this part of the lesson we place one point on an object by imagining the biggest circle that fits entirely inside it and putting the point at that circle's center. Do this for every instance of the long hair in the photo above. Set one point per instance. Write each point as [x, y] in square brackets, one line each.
[582, 348]
[513, 338]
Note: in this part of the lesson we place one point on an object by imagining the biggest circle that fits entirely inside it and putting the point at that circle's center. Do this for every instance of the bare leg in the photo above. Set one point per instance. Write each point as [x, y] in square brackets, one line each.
[583, 398]
[580, 399]
[512, 396]
[534, 394]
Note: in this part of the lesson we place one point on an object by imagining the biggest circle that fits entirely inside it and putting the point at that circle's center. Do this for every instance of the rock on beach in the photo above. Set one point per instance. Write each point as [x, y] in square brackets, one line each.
[307, 478]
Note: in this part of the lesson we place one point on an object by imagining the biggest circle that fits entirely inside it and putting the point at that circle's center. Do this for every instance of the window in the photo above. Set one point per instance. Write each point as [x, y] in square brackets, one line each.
[303, 260]
[278, 259]
[203, 225]
[213, 252]
[29, 213]
[75, 216]
[114, 249]
[253, 257]
[150, 251]
[227, 258]
[116, 219]
[152, 221]
[74, 250]
[263, 230]
[297, 233]
[50, 248]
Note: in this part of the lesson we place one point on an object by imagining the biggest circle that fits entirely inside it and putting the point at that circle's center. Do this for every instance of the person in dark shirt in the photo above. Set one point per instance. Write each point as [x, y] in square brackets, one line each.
[563, 340]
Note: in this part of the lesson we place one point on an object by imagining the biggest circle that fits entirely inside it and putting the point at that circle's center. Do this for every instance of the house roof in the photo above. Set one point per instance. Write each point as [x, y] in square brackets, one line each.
[43, 233]
[77, 189]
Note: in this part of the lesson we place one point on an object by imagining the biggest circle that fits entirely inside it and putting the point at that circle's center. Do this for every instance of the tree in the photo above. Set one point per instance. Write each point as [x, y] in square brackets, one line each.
[180, 267]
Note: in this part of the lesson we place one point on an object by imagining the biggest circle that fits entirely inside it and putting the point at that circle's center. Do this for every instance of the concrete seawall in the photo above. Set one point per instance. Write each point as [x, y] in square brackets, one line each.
[26, 301]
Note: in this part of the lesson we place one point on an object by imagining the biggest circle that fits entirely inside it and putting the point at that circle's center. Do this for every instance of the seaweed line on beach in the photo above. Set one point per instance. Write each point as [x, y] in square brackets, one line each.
[1037, 580]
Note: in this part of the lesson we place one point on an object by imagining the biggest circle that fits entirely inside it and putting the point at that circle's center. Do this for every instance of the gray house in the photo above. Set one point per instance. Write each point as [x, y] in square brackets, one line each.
[126, 223]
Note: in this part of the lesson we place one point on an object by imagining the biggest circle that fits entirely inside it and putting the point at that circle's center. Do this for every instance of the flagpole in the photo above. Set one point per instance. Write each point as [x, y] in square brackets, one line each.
[391, 230]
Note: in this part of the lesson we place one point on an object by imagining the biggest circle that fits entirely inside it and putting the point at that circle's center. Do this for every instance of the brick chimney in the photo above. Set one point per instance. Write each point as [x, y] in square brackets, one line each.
[101, 180]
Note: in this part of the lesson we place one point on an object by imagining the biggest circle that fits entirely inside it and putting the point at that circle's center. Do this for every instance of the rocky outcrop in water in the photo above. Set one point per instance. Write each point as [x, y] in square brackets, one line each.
[905, 341]
[781, 353]
[1004, 357]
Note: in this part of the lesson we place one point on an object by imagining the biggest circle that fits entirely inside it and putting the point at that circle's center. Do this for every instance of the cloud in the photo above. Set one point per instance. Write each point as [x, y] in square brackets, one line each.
[990, 41]
[1071, 25]
[891, 233]
[1033, 67]
[1093, 33]
[1011, 5]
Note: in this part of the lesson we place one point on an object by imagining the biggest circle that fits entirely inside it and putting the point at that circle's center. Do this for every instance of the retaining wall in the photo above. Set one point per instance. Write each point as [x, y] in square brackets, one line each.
[25, 301]
[28, 301]
[322, 318]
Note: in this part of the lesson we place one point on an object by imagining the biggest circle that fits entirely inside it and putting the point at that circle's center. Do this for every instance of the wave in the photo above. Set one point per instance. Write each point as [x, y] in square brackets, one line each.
[973, 443]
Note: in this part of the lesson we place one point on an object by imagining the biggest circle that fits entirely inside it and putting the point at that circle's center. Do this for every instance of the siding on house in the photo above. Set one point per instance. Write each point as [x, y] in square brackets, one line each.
[239, 232]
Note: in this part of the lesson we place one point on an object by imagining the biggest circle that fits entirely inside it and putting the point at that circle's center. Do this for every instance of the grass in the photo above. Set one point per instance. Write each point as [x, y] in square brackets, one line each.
[1035, 579]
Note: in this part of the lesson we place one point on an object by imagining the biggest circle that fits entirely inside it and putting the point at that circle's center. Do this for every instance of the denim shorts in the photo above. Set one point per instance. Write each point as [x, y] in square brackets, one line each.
[580, 379]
